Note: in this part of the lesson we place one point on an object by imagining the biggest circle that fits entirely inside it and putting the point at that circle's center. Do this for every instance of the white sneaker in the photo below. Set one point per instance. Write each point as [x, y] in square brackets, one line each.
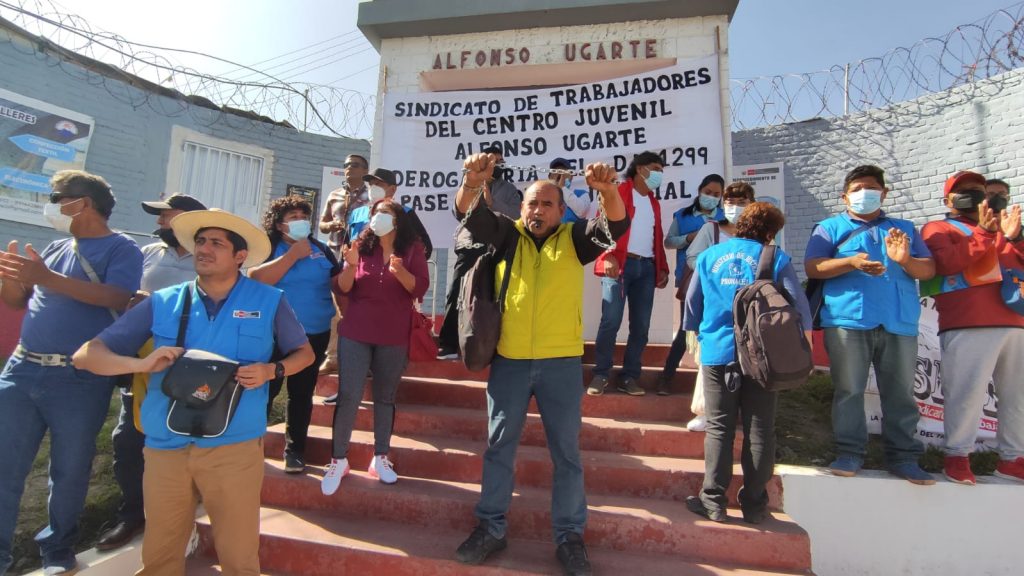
[55, 570]
[698, 424]
[336, 470]
[332, 399]
[382, 469]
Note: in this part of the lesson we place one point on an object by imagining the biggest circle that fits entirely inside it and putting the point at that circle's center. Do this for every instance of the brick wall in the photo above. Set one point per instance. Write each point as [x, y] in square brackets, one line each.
[918, 143]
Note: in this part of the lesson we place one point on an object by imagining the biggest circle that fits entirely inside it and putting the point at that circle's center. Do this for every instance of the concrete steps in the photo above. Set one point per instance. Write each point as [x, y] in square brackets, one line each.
[640, 464]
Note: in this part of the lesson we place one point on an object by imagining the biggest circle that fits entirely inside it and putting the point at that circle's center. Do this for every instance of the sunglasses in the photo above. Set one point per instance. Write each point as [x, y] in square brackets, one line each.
[56, 197]
[353, 165]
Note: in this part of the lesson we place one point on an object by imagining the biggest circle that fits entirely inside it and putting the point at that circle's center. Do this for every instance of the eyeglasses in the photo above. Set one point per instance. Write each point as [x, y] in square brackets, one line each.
[353, 165]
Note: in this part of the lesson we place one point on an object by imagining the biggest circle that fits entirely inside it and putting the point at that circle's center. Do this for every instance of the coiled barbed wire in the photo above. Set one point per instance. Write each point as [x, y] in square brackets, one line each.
[206, 98]
[968, 53]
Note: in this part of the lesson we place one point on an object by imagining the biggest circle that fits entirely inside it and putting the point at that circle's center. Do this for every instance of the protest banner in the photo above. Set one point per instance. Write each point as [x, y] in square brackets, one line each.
[674, 111]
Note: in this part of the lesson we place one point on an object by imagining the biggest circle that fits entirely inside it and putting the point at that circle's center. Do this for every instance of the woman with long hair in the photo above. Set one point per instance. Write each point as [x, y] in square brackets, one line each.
[686, 222]
[385, 273]
[302, 267]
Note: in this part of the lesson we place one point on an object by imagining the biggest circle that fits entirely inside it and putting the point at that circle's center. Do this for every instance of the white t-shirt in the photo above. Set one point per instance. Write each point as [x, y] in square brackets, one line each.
[641, 227]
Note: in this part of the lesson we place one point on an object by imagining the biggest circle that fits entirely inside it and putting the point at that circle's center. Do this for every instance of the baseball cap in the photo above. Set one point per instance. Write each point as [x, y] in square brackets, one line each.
[175, 202]
[560, 163]
[383, 174]
[962, 177]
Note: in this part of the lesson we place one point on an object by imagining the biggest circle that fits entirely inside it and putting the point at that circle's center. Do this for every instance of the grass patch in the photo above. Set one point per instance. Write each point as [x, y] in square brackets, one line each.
[101, 502]
[803, 428]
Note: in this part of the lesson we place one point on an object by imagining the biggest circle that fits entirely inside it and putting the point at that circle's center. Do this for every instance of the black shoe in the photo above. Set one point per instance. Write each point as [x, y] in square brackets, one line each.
[573, 556]
[629, 386]
[294, 464]
[756, 515]
[332, 399]
[121, 534]
[664, 385]
[693, 504]
[479, 546]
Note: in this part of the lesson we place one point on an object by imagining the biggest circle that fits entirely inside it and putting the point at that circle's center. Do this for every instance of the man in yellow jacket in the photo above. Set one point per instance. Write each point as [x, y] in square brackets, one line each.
[540, 348]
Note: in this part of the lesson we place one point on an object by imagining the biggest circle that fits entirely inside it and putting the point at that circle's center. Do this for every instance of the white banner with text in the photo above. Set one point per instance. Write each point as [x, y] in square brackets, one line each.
[675, 112]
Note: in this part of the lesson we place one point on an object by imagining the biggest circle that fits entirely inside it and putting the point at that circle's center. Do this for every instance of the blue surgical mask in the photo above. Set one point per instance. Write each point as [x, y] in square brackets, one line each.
[708, 202]
[568, 183]
[864, 201]
[653, 179]
[732, 212]
[298, 229]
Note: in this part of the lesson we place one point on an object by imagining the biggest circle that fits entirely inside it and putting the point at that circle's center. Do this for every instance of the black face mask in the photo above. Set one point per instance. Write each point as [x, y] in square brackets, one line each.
[998, 203]
[968, 200]
[167, 235]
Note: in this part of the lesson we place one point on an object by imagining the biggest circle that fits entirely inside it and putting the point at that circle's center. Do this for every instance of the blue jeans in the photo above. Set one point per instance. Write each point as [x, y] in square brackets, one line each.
[557, 383]
[636, 285]
[851, 353]
[72, 405]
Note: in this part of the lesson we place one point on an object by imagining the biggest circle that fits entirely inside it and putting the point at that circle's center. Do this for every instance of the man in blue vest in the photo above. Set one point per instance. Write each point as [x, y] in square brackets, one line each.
[870, 264]
[234, 317]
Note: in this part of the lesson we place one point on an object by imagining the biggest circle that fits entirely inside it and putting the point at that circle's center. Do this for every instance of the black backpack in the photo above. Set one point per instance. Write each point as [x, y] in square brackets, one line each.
[770, 344]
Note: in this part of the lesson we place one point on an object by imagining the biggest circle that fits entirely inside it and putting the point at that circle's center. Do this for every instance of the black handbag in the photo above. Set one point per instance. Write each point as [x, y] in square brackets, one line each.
[480, 309]
[202, 387]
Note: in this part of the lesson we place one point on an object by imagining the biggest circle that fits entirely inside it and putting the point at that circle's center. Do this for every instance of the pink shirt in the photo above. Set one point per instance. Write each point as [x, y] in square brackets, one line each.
[380, 308]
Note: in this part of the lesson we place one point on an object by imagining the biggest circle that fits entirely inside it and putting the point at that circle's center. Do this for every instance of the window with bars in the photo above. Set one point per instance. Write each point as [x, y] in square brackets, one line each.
[221, 173]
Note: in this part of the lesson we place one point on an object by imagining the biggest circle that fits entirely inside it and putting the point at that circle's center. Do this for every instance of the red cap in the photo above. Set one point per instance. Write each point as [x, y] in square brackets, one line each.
[962, 177]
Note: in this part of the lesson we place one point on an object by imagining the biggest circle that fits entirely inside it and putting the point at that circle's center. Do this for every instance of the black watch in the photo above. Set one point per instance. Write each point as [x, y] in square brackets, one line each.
[278, 370]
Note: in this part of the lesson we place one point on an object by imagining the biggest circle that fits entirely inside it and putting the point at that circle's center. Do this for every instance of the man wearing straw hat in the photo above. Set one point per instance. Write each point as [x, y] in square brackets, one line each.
[234, 317]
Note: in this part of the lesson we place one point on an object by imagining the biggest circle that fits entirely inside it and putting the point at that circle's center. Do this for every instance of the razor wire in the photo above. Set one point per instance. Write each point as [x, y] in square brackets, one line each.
[968, 53]
[208, 99]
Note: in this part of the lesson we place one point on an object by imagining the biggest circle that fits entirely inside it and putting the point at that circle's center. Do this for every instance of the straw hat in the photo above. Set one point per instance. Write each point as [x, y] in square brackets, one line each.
[186, 224]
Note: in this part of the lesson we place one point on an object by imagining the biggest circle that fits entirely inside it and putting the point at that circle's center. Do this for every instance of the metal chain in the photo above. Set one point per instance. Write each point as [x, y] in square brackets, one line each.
[602, 218]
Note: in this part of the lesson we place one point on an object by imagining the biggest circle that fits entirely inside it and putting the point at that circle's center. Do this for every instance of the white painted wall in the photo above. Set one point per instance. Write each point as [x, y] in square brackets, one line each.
[403, 59]
[879, 525]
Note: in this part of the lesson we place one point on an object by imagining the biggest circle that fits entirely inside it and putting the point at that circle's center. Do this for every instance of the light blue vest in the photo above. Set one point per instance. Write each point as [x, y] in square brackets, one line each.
[247, 338]
[687, 224]
[724, 269]
[307, 285]
[860, 301]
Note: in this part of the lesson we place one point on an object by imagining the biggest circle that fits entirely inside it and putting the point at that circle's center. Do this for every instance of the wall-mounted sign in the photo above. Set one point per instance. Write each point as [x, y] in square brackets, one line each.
[636, 49]
[36, 140]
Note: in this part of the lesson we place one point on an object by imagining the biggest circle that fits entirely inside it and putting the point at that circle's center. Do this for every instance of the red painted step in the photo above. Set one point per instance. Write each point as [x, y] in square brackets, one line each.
[461, 461]
[455, 370]
[653, 355]
[473, 395]
[621, 523]
[606, 434]
[317, 544]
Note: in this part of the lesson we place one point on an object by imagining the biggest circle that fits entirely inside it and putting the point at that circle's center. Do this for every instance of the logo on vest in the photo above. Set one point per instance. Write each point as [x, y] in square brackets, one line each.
[246, 314]
[202, 393]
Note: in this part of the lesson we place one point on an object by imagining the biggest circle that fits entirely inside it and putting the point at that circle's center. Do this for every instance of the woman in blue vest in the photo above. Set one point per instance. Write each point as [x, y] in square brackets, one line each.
[736, 197]
[385, 273]
[719, 273]
[302, 267]
[686, 222]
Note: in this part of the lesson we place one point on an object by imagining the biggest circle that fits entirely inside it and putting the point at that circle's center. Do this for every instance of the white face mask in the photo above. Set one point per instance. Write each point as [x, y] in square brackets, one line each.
[60, 222]
[732, 212]
[376, 193]
[382, 223]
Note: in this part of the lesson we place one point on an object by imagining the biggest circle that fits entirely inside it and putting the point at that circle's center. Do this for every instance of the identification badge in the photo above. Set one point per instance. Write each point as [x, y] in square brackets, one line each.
[246, 314]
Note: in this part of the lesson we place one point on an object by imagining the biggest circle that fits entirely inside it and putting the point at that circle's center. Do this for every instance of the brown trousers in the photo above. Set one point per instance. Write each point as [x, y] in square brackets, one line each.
[229, 479]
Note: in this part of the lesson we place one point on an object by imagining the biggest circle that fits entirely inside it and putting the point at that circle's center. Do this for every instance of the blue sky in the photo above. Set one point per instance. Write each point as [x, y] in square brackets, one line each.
[766, 37]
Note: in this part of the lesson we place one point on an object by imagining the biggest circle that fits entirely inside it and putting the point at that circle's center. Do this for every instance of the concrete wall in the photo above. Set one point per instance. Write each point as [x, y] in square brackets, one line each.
[404, 59]
[918, 143]
[876, 524]
[130, 146]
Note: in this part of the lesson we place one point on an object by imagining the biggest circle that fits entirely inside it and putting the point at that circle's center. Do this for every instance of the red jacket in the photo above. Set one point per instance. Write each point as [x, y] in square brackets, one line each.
[660, 260]
[977, 306]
